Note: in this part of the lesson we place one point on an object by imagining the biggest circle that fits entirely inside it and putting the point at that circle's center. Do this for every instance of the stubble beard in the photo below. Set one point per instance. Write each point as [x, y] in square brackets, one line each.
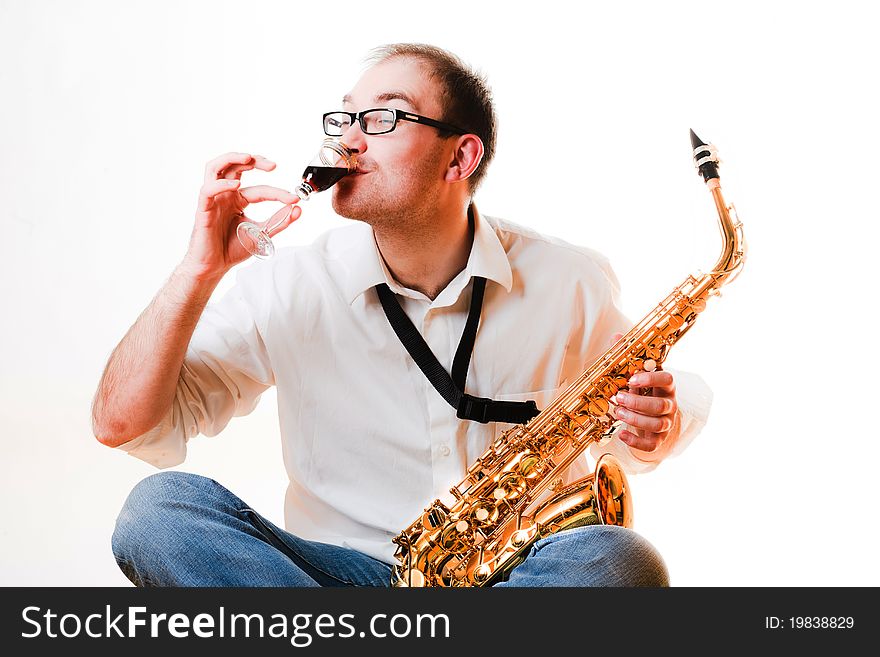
[400, 210]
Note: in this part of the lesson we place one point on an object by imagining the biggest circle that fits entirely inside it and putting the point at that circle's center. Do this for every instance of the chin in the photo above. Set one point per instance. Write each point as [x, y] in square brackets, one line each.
[343, 205]
[342, 199]
[350, 205]
[349, 210]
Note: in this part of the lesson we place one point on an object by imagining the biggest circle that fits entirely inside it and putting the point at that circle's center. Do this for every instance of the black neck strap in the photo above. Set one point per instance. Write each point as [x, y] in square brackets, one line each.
[451, 388]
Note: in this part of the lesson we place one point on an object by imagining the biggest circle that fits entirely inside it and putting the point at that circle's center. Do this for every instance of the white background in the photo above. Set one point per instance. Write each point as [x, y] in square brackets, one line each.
[110, 111]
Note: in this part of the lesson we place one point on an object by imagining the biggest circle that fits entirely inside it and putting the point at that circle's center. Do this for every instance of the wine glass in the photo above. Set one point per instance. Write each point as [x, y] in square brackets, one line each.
[333, 162]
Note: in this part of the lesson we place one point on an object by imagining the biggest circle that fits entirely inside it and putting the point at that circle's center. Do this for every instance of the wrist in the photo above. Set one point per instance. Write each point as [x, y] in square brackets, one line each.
[197, 274]
[190, 283]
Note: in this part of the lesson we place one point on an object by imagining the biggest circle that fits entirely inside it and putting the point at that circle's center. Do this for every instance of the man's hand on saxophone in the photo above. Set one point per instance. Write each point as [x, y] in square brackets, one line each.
[650, 412]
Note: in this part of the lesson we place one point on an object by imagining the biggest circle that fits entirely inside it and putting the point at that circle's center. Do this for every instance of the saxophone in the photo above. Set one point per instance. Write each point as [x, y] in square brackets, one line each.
[514, 494]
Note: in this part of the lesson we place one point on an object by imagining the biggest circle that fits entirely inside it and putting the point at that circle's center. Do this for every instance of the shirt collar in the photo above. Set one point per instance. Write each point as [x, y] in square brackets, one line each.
[488, 259]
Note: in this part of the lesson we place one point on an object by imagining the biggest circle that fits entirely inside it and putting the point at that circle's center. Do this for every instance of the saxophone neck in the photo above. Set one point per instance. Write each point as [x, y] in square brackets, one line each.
[733, 252]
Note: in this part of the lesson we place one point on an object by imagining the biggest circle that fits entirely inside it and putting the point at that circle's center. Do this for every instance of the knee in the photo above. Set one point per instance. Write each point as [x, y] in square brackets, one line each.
[616, 556]
[639, 563]
[636, 561]
[150, 508]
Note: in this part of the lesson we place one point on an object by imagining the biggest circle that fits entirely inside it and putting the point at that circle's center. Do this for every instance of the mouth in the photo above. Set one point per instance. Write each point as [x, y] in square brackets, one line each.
[362, 167]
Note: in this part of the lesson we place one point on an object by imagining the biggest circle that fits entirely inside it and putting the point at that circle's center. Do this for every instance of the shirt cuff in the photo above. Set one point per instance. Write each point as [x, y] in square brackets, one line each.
[161, 446]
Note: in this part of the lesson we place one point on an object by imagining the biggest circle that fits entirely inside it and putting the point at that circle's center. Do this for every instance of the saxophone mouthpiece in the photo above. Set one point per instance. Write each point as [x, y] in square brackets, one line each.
[705, 158]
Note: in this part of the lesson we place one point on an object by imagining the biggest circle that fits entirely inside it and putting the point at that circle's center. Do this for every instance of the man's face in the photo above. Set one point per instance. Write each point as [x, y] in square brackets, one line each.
[400, 173]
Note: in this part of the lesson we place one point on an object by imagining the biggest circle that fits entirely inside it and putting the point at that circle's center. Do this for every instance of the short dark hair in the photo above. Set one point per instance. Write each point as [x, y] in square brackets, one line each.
[465, 95]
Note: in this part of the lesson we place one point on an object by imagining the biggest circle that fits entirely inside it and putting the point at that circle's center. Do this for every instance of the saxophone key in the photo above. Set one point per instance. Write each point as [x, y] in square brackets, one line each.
[434, 516]
[529, 465]
[608, 434]
[520, 537]
[481, 574]
[607, 387]
[510, 486]
[675, 321]
[635, 365]
[482, 514]
[411, 577]
[453, 539]
[597, 406]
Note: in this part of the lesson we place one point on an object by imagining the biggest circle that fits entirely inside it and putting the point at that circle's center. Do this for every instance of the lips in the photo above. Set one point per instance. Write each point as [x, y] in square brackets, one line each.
[362, 168]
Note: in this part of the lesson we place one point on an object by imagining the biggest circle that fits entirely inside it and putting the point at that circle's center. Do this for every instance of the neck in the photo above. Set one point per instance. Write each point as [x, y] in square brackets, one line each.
[428, 256]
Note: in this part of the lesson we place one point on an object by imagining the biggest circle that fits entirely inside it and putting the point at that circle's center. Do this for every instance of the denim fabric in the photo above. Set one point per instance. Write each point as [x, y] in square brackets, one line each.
[181, 529]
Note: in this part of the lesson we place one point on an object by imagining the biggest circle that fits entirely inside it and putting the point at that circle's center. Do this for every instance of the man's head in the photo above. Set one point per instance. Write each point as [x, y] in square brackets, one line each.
[417, 167]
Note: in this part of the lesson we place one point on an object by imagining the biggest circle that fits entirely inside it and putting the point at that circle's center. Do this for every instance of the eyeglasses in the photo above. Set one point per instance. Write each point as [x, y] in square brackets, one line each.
[379, 121]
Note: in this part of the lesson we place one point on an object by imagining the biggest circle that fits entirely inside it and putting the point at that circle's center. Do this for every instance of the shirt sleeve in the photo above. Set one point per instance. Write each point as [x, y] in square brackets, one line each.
[225, 370]
[693, 395]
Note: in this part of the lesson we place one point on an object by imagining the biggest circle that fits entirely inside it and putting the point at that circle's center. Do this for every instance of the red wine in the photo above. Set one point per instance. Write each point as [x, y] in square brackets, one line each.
[321, 178]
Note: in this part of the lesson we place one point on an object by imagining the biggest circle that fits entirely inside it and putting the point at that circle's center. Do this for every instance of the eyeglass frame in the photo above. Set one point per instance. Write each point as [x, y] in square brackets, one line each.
[399, 115]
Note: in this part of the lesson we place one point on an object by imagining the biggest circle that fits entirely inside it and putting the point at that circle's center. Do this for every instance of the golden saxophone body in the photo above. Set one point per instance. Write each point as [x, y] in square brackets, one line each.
[513, 495]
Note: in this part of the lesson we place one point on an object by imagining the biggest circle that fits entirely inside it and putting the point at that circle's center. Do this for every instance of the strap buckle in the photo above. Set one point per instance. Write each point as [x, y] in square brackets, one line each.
[484, 410]
[474, 408]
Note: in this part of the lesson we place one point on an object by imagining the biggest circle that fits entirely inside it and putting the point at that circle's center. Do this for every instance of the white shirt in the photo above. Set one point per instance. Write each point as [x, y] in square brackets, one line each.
[368, 442]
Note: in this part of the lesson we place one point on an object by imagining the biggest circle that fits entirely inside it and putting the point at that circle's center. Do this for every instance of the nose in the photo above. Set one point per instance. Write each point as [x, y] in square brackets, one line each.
[354, 138]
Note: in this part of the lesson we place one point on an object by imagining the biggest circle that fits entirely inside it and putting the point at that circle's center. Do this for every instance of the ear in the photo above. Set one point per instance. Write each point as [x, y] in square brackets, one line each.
[466, 157]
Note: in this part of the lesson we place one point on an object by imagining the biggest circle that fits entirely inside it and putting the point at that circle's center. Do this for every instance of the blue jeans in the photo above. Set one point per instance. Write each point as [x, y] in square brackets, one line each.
[181, 529]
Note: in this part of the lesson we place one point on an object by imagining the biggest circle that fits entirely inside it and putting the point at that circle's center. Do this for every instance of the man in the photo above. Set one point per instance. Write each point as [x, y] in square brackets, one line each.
[368, 439]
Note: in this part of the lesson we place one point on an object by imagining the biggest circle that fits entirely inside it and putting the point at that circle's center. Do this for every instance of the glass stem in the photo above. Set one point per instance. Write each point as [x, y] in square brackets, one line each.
[284, 215]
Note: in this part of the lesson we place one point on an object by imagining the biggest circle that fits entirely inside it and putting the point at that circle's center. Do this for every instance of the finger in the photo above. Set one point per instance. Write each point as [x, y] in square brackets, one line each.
[293, 213]
[653, 384]
[659, 380]
[615, 338]
[259, 193]
[216, 167]
[648, 442]
[634, 387]
[211, 189]
[645, 422]
[654, 406]
[221, 162]
[235, 170]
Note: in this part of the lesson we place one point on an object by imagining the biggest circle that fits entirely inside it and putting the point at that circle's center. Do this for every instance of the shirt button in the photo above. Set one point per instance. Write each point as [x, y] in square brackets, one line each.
[444, 450]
